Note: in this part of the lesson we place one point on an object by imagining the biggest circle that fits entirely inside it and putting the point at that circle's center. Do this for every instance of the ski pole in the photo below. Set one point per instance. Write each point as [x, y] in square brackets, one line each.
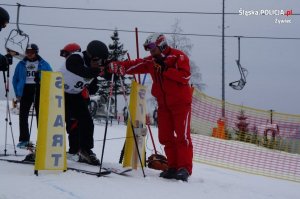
[106, 123]
[152, 138]
[128, 57]
[36, 79]
[144, 79]
[8, 116]
[131, 124]
[31, 118]
[122, 153]
[137, 49]
[6, 120]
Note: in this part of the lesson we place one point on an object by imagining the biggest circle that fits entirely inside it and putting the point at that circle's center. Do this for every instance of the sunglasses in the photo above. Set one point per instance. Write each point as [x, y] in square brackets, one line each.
[149, 46]
[30, 51]
[64, 53]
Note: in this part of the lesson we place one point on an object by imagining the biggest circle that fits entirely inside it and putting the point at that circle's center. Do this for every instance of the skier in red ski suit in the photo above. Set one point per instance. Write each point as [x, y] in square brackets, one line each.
[170, 72]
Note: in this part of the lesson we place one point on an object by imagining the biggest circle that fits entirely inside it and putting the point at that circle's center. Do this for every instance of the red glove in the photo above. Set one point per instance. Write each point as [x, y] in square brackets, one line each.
[116, 68]
[85, 93]
[113, 67]
[122, 70]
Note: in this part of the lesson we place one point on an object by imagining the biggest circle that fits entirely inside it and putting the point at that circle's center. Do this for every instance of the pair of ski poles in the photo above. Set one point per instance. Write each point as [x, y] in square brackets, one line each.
[130, 120]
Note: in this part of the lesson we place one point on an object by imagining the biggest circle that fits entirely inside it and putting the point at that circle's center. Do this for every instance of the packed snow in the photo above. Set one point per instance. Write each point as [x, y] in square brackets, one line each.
[19, 181]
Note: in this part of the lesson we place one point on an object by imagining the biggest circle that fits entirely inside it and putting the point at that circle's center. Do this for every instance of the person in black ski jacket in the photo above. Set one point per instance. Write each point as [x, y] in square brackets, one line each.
[5, 60]
[4, 18]
[80, 71]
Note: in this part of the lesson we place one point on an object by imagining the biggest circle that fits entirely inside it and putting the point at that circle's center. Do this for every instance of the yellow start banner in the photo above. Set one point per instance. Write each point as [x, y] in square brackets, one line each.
[51, 143]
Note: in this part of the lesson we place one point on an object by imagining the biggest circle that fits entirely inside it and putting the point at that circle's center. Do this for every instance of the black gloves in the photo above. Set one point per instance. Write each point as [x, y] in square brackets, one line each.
[93, 87]
[161, 63]
[5, 61]
[37, 77]
[9, 59]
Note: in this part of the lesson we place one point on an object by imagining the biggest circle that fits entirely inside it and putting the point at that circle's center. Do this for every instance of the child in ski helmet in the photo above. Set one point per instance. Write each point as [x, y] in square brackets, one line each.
[27, 88]
[81, 69]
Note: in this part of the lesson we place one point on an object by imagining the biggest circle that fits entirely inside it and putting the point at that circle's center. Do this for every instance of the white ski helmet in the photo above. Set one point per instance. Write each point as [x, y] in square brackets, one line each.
[34, 47]
[156, 40]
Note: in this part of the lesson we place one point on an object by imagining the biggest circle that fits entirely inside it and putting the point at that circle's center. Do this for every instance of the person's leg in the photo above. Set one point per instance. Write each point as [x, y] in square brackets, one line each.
[184, 146]
[25, 105]
[85, 124]
[73, 135]
[71, 123]
[166, 135]
[86, 133]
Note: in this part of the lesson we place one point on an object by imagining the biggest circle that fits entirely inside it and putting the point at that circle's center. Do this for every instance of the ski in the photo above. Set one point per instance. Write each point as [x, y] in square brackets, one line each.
[119, 171]
[122, 171]
[17, 161]
[6, 155]
[103, 173]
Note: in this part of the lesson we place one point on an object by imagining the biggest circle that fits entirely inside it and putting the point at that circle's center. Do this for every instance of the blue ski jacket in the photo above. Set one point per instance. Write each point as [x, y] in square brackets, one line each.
[19, 77]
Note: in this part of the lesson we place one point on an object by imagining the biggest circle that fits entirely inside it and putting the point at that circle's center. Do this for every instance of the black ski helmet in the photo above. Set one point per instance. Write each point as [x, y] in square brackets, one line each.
[97, 49]
[4, 17]
[33, 47]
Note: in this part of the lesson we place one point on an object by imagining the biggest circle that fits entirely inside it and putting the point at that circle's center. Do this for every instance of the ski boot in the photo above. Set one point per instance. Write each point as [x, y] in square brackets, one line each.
[168, 174]
[88, 156]
[182, 174]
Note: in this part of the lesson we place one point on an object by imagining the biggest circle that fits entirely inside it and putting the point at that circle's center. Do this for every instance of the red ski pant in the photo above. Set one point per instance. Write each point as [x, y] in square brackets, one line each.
[175, 134]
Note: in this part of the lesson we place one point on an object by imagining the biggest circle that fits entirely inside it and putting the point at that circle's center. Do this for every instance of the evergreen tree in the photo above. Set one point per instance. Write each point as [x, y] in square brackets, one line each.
[116, 53]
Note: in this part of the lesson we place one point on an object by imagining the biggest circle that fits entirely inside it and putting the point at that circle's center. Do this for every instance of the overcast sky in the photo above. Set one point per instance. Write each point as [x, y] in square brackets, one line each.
[273, 80]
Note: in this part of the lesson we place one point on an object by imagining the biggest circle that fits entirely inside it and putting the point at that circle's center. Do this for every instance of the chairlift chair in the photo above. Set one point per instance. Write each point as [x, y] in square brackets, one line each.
[239, 85]
[17, 40]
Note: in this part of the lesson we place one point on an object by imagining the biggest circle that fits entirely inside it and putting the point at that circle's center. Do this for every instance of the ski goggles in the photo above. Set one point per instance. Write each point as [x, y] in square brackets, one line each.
[99, 61]
[95, 59]
[64, 53]
[30, 51]
[149, 46]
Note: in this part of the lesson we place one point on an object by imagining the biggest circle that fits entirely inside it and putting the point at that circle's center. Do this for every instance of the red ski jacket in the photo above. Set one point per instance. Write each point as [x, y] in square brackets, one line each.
[170, 78]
